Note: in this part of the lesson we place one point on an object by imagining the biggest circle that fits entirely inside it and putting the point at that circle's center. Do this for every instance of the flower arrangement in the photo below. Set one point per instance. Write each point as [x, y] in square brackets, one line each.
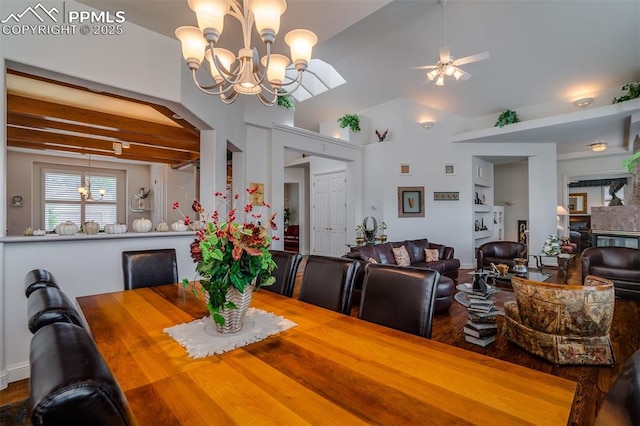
[230, 253]
[551, 245]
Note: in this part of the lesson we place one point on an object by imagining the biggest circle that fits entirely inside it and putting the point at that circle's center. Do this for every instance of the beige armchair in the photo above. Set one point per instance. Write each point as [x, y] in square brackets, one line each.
[566, 324]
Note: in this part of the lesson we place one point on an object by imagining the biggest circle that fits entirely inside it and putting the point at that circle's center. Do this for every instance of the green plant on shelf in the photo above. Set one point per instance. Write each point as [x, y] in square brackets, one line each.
[507, 117]
[634, 92]
[352, 121]
[285, 100]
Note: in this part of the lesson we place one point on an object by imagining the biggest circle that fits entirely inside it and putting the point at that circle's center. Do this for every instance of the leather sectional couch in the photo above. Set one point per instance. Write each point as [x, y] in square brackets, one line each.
[446, 264]
[618, 264]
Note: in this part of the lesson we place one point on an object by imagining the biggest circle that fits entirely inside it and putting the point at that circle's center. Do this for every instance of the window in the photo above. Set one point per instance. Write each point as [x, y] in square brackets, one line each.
[63, 202]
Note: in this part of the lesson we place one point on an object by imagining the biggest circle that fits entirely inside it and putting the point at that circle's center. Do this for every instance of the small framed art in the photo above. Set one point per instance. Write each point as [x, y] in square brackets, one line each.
[446, 196]
[411, 201]
[449, 169]
[405, 169]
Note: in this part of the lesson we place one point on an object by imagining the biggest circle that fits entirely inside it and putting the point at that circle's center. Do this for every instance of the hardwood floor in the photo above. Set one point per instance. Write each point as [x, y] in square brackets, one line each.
[593, 382]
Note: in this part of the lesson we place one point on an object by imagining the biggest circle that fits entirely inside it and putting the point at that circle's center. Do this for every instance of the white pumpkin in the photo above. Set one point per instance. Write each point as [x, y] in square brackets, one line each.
[162, 227]
[91, 227]
[67, 228]
[115, 228]
[39, 232]
[179, 226]
[142, 225]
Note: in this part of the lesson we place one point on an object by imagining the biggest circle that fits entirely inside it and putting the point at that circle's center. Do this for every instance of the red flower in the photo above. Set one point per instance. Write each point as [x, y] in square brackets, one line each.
[176, 205]
[196, 253]
[197, 207]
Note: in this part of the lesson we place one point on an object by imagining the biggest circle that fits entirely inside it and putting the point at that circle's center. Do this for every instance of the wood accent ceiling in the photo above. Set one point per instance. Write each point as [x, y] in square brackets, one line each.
[85, 122]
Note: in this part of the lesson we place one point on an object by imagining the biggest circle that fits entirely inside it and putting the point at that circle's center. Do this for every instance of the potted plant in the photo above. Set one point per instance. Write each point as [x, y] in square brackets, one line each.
[634, 92]
[232, 258]
[352, 121]
[382, 237]
[359, 235]
[286, 216]
[285, 100]
[507, 117]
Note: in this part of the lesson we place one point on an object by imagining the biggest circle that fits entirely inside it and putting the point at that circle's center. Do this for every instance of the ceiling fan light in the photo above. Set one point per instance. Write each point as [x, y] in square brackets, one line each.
[449, 70]
[457, 74]
[440, 81]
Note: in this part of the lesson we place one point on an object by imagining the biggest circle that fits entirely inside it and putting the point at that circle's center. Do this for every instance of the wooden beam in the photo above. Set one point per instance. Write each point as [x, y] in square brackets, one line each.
[27, 106]
[38, 122]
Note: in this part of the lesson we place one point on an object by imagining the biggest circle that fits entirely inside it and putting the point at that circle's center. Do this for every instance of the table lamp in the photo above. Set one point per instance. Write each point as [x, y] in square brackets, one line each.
[561, 211]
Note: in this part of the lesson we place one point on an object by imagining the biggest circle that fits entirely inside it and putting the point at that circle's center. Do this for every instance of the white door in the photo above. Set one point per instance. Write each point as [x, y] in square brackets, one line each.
[330, 214]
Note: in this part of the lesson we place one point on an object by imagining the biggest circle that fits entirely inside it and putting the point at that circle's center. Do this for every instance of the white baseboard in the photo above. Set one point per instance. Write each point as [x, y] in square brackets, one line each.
[467, 266]
[18, 372]
[4, 380]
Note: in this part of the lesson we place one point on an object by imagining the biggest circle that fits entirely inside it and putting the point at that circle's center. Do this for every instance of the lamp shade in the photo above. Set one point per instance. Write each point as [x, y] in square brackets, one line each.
[225, 57]
[267, 13]
[277, 67]
[561, 211]
[210, 13]
[301, 43]
[193, 44]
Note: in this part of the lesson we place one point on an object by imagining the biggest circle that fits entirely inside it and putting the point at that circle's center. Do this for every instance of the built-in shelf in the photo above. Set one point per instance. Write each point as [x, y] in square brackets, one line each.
[481, 208]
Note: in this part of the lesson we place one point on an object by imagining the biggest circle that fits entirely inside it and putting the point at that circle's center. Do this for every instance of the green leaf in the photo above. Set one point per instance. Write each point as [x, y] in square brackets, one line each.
[629, 163]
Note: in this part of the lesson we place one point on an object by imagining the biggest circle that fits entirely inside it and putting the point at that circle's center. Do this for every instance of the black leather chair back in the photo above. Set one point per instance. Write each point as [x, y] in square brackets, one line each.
[38, 278]
[622, 405]
[400, 298]
[328, 282]
[148, 268]
[287, 266]
[70, 383]
[49, 305]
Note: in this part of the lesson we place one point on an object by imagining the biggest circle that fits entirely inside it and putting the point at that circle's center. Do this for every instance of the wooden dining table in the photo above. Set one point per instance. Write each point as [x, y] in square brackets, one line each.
[328, 369]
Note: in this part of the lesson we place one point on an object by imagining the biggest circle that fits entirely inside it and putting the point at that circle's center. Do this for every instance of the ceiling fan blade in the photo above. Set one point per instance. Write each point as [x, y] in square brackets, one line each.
[423, 67]
[466, 76]
[473, 58]
[445, 54]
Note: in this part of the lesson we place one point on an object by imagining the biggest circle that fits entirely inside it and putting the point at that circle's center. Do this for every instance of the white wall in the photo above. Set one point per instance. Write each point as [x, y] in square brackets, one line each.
[511, 190]
[603, 166]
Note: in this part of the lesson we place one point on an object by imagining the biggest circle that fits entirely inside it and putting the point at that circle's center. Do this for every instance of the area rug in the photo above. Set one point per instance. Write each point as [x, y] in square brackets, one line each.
[16, 414]
[201, 339]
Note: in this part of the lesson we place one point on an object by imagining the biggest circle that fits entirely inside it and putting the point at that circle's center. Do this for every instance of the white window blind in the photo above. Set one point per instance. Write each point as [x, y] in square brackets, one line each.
[63, 202]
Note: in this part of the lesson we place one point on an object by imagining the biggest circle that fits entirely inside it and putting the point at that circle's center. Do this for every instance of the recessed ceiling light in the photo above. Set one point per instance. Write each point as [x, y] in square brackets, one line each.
[598, 146]
[427, 124]
[583, 102]
[177, 116]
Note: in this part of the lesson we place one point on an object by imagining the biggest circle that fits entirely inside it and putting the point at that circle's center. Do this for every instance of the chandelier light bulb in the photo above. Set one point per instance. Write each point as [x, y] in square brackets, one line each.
[193, 45]
[277, 68]
[210, 14]
[301, 43]
[225, 57]
[267, 15]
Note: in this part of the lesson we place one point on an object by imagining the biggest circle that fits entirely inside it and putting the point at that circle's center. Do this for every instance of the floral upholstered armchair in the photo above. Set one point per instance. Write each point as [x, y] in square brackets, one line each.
[566, 324]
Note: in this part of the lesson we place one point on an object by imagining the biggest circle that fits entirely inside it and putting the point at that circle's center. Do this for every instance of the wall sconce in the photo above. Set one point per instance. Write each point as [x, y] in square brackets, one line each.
[583, 102]
[427, 124]
[598, 147]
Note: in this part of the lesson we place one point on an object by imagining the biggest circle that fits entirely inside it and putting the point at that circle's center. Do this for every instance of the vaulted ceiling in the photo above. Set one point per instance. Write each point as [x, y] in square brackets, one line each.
[46, 115]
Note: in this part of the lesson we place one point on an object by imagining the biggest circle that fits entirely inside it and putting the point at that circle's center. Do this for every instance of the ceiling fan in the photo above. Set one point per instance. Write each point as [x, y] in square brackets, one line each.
[448, 66]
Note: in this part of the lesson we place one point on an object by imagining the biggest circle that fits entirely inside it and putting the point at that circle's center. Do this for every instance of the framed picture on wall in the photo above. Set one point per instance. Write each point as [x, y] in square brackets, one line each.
[411, 201]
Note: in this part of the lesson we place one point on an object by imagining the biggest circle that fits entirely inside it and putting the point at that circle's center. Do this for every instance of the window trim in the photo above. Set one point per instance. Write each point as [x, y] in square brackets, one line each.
[40, 169]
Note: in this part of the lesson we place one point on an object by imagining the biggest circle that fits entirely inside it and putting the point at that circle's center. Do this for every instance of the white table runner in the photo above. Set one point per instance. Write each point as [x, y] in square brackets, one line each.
[201, 339]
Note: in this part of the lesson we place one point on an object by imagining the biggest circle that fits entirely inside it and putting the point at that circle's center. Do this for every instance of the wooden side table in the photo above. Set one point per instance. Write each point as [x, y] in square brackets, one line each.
[564, 260]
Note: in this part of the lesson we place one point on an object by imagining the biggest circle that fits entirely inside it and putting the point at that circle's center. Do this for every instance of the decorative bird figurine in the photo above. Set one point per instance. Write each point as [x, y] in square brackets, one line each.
[381, 136]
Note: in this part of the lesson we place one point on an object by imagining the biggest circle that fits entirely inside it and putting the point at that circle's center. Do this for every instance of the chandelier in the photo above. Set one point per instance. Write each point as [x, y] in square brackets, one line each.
[245, 74]
[85, 191]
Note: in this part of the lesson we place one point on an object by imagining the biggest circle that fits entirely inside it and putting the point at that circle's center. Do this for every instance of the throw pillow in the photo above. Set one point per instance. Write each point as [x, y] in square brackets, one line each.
[372, 260]
[431, 255]
[402, 256]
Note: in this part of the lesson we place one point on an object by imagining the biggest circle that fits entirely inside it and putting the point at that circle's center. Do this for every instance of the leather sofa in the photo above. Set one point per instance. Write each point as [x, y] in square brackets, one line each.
[499, 252]
[446, 265]
[618, 264]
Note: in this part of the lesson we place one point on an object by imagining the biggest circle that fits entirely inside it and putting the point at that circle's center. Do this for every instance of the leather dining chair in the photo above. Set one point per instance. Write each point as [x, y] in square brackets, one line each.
[49, 305]
[328, 282]
[148, 268]
[38, 278]
[399, 298]
[285, 273]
